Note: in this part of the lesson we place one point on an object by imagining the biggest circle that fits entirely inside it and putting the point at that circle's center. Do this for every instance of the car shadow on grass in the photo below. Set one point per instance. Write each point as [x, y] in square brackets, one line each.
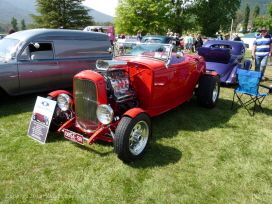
[156, 154]
[186, 117]
[190, 117]
[13, 105]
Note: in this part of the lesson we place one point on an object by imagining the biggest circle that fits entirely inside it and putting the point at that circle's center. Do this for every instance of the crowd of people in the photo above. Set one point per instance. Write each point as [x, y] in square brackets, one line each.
[261, 52]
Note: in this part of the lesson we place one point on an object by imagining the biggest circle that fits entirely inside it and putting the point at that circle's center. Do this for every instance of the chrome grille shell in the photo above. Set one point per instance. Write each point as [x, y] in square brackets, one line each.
[86, 102]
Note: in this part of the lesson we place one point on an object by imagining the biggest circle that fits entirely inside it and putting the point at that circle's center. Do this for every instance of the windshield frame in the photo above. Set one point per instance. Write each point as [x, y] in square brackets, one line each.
[157, 51]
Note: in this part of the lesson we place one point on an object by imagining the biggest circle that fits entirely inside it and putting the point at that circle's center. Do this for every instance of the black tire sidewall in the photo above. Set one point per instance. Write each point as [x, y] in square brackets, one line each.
[122, 133]
[205, 91]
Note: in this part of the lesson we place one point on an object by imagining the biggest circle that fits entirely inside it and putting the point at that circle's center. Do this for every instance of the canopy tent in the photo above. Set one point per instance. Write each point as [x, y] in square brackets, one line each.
[249, 39]
[250, 35]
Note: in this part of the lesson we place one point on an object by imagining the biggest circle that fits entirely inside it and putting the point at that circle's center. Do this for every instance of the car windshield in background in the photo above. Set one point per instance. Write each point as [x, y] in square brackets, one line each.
[8, 48]
[222, 46]
[152, 41]
[158, 51]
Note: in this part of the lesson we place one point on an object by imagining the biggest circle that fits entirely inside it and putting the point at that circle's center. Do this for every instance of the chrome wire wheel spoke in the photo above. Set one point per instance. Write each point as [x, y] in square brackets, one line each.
[215, 92]
[138, 137]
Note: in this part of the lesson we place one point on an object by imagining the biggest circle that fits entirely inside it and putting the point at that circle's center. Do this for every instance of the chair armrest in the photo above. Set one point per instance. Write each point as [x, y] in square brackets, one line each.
[269, 88]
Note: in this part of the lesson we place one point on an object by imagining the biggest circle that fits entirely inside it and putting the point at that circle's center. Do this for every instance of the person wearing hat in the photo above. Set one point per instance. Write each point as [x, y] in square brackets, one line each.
[261, 50]
[227, 36]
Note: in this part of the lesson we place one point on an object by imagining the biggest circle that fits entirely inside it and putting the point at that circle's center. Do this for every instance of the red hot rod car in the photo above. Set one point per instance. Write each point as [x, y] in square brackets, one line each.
[115, 101]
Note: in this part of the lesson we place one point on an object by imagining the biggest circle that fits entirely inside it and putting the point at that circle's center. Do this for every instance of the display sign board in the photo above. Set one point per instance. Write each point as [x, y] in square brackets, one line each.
[41, 119]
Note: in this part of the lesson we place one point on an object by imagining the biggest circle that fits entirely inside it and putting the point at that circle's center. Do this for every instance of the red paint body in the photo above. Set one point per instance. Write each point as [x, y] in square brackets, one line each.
[158, 88]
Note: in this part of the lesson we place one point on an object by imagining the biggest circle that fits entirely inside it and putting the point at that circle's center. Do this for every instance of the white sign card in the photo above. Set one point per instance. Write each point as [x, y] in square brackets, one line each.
[41, 119]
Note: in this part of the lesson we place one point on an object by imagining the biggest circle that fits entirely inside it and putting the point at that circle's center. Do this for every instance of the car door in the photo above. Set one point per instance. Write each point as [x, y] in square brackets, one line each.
[182, 79]
[38, 69]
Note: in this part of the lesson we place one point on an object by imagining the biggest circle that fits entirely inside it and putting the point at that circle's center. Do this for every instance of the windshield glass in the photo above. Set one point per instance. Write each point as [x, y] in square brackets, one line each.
[8, 48]
[158, 51]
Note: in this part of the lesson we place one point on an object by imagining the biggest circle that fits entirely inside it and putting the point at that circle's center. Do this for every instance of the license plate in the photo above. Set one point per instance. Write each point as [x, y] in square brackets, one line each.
[75, 137]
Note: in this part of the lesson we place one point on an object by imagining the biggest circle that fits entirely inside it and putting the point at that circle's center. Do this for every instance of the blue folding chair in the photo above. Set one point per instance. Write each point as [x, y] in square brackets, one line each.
[247, 91]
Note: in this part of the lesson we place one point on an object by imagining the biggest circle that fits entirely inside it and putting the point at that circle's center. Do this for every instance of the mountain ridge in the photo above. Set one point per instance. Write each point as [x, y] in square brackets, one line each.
[19, 11]
[263, 4]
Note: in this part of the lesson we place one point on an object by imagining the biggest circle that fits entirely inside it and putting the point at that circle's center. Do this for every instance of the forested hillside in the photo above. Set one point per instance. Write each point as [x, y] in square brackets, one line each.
[262, 4]
[21, 10]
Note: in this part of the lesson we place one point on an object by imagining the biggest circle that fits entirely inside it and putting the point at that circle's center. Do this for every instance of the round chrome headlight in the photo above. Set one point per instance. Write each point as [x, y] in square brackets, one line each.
[104, 114]
[64, 102]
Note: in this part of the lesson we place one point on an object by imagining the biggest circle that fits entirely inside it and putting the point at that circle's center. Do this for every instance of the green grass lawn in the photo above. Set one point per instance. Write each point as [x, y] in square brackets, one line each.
[196, 155]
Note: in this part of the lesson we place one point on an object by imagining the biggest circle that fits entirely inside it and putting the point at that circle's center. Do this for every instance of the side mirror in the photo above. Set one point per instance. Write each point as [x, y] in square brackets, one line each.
[36, 45]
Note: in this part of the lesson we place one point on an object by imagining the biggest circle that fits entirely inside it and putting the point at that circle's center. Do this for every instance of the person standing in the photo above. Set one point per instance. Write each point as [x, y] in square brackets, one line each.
[261, 50]
[190, 43]
[193, 44]
[227, 36]
[111, 34]
[177, 43]
[220, 37]
[139, 36]
[237, 38]
[185, 39]
[198, 42]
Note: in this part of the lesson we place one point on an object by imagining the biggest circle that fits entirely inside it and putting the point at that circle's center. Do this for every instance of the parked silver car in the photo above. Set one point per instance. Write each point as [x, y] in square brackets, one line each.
[46, 59]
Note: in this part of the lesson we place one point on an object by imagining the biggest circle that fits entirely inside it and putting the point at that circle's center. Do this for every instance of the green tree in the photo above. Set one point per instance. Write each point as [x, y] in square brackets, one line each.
[238, 19]
[215, 15]
[269, 12]
[246, 18]
[256, 13]
[14, 23]
[23, 25]
[69, 14]
[180, 16]
[265, 21]
[149, 16]
[154, 16]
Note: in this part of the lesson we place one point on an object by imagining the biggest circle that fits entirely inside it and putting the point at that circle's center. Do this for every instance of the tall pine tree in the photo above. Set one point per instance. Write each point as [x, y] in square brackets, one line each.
[256, 13]
[68, 14]
[14, 24]
[246, 18]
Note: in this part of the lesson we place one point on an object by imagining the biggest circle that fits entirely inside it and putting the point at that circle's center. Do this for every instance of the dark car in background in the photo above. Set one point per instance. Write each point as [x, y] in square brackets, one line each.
[225, 57]
[46, 59]
[162, 39]
[158, 39]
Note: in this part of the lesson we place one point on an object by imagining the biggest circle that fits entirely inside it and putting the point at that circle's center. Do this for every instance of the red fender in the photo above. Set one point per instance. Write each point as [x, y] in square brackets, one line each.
[58, 92]
[134, 112]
